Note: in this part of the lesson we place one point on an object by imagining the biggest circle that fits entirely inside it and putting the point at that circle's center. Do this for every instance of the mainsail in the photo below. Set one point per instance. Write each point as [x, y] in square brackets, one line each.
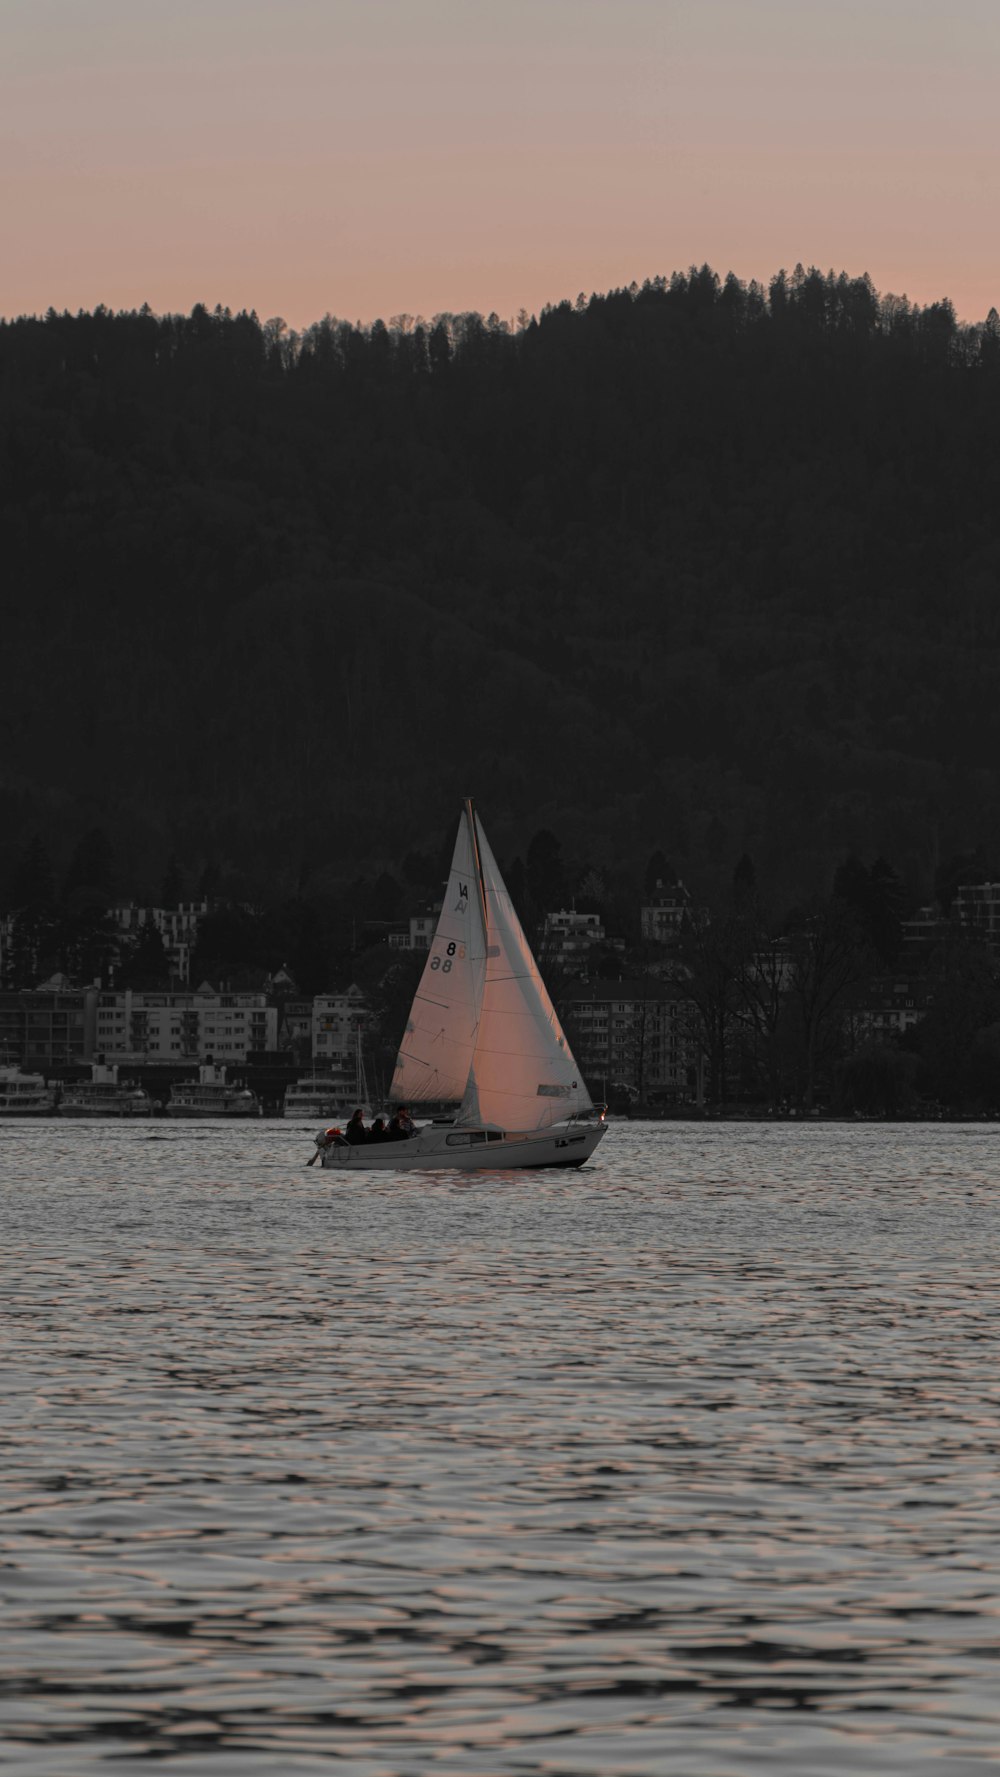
[435, 1056]
[523, 1074]
[483, 1028]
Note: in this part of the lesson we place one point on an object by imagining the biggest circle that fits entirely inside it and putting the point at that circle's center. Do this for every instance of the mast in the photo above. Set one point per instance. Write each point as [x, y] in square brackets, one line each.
[470, 815]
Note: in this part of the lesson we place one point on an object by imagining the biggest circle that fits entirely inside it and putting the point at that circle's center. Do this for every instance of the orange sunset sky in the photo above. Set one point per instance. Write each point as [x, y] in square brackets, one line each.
[377, 157]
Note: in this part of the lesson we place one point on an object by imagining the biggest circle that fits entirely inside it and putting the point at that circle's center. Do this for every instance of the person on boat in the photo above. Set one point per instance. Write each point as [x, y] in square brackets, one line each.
[402, 1125]
[356, 1132]
[327, 1138]
[378, 1130]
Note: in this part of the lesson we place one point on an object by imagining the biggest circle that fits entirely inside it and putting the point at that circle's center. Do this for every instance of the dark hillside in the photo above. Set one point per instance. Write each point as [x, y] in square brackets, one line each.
[693, 564]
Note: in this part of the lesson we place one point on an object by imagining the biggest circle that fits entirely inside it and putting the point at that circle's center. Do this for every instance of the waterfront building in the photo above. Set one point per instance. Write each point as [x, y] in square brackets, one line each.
[49, 1026]
[295, 1027]
[171, 1026]
[633, 1036]
[885, 1009]
[339, 1022]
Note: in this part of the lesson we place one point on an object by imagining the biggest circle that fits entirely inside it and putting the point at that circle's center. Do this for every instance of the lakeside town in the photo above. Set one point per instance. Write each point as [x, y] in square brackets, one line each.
[700, 1014]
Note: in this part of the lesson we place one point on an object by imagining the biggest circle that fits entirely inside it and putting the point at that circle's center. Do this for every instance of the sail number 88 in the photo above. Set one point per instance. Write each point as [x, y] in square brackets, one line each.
[444, 963]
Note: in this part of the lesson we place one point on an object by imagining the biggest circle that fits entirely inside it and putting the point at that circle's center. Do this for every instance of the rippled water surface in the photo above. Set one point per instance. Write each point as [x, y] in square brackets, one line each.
[686, 1463]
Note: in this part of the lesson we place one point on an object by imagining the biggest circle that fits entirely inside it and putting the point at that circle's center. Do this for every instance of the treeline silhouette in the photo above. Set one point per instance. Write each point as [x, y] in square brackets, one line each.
[694, 563]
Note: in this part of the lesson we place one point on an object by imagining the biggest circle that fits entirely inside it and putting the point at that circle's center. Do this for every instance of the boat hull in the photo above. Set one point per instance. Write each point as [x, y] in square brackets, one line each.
[216, 1110]
[433, 1150]
[104, 1110]
[322, 1111]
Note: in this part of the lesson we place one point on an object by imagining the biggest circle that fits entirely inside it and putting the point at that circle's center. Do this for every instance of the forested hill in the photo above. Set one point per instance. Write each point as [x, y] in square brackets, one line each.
[696, 565]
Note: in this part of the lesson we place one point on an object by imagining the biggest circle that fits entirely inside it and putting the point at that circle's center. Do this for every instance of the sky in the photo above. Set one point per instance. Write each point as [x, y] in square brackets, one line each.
[389, 157]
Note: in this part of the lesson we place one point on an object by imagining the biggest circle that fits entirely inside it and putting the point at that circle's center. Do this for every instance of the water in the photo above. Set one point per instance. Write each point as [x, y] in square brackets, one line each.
[685, 1463]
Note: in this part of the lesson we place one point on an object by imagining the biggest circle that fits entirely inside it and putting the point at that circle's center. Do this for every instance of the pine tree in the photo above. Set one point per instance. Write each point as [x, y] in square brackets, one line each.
[30, 954]
[148, 964]
[172, 886]
[91, 871]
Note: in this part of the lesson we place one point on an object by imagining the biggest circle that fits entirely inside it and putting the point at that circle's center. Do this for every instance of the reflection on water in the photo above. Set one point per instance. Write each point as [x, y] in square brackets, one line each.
[687, 1462]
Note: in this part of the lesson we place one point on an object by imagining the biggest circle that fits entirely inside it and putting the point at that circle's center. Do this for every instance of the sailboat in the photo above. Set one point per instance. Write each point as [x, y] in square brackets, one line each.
[483, 1030]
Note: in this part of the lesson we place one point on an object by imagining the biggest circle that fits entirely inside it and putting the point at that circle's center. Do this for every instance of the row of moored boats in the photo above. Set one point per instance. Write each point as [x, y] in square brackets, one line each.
[212, 1094]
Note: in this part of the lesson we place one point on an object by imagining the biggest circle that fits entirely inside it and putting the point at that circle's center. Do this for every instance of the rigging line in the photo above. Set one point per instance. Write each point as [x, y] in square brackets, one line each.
[478, 998]
[407, 1055]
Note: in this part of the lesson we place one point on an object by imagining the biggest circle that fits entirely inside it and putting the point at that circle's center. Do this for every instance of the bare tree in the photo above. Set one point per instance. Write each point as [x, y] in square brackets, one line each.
[712, 953]
[828, 954]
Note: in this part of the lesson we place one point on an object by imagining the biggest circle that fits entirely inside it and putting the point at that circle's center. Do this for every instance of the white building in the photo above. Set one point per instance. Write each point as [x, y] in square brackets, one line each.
[419, 931]
[568, 936]
[171, 1027]
[886, 1008]
[664, 914]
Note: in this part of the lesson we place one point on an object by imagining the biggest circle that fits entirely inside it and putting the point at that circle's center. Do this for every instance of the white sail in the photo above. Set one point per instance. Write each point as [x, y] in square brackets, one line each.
[522, 1074]
[435, 1056]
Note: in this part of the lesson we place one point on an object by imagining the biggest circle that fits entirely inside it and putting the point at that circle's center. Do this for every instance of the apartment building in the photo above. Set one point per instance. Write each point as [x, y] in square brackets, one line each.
[191, 1026]
[339, 1021]
[295, 1018]
[568, 936]
[634, 1036]
[49, 1026]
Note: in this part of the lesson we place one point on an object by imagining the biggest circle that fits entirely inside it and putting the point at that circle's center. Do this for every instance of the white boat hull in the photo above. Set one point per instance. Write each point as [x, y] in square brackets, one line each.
[322, 1111]
[213, 1110]
[434, 1149]
[104, 1110]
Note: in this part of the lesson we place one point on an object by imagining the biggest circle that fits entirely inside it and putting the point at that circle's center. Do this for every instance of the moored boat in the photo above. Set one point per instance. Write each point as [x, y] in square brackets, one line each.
[317, 1096]
[213, 1094]
[320, 1096]
[25, 1095]
[483, 1030]
[104, 1095]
